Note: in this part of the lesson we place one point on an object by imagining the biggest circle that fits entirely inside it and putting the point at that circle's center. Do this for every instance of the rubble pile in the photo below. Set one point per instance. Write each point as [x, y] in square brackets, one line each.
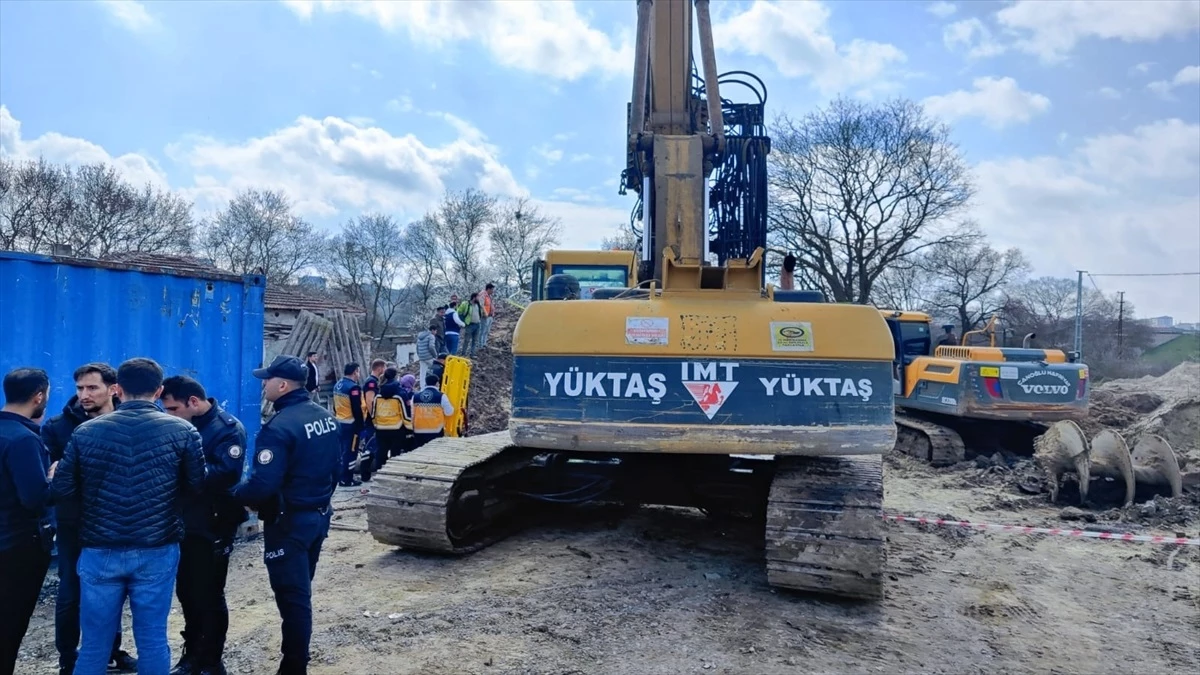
[489, 401]
[1168, 406]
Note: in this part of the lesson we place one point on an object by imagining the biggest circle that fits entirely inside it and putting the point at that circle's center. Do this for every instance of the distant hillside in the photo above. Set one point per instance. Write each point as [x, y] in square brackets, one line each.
[1174, 352]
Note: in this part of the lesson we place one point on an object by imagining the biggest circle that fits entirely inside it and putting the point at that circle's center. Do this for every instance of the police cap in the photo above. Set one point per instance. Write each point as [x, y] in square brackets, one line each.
[285, 367]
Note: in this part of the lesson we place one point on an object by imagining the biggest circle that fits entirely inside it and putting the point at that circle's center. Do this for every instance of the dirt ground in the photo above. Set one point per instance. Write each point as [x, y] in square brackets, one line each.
[665, 591]
[660, 590]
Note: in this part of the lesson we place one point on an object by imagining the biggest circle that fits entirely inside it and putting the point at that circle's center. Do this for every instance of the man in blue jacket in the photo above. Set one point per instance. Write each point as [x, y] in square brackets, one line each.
[24, 495]
[290, 482]
[210, 522]
[131, 470]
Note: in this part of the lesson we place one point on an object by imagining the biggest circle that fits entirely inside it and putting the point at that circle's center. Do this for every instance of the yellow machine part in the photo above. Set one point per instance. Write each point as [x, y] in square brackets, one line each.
[456, 382]
[703, 373]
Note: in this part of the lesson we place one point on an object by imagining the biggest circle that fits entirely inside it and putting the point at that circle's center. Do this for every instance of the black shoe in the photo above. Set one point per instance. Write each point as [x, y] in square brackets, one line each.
[218, 669]
[122, 662]
[186, 665]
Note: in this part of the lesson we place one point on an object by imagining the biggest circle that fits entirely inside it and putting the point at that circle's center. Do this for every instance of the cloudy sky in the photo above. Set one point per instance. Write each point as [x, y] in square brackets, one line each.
[1080, 118]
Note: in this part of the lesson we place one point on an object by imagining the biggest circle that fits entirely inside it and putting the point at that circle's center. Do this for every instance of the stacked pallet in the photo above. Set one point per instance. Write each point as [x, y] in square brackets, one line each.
[336, 337]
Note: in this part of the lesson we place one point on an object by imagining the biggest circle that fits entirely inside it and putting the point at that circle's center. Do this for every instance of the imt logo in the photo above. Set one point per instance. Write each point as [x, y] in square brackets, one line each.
[700, 379]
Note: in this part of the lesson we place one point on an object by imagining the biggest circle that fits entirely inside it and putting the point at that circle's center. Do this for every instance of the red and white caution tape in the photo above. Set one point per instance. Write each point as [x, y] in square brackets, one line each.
[1062, 531]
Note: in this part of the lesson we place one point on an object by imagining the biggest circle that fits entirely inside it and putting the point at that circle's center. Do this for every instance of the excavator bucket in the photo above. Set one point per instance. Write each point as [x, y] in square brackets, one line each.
[1061, 449]
[1155, 465]
[1109, 458]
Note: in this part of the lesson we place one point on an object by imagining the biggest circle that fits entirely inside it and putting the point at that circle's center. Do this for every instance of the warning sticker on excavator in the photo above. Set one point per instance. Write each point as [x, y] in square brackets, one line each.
[646, 330]
[791, 336]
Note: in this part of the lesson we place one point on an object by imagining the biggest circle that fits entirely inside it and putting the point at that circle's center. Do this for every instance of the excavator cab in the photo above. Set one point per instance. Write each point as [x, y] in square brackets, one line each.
[592, 270]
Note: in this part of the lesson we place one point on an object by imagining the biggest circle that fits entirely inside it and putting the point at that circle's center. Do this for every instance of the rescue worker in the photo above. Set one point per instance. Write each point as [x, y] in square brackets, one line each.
[949, 339]
[210, 522]
[430, 408]
[348, 411]
[488, 301]
[289, 481]
[95, 396]
[408, 384]
[367, 442]
[388, 416]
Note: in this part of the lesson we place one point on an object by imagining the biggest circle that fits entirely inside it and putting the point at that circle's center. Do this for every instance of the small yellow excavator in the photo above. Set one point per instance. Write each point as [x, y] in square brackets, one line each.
[952, 398]
[683, 382]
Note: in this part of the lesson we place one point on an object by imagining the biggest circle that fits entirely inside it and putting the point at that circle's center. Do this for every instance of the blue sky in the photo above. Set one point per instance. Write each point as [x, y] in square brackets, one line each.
[1081, 120]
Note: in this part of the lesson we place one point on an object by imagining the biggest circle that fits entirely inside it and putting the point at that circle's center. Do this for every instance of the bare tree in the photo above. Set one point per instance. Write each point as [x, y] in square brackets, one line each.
[91, 209]
[519, 238]
[111, 216]
[855, 188]
[365, 265]
[424, 262]
[460, 226]
[623, 240]
[36, 204]
[969, 278]
[904, 286]
[257, 232]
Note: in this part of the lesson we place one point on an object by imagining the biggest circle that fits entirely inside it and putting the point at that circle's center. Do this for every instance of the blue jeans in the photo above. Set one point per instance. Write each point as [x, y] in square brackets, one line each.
[451, 345]
[106, 578]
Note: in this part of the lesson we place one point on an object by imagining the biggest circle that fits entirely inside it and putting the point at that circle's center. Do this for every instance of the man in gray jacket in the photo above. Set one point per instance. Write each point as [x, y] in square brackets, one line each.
[427, 348]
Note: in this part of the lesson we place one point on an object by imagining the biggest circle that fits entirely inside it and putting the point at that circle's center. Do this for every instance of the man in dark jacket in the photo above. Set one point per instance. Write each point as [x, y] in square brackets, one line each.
[131, 471]
[290, 483]
[95, 395]
[210, 521]
[24, 494]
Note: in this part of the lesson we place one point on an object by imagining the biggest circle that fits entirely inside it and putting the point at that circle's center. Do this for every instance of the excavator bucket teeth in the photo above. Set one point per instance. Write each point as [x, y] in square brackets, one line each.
[1061, 449]
[1109, 458]
[1155, 465]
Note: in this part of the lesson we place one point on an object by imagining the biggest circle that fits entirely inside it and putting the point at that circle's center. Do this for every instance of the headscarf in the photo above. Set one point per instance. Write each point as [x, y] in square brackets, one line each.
[407, 382]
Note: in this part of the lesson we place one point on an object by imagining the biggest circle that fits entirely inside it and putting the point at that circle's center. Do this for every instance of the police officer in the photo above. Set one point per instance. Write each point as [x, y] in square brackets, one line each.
[210, 522]
[290, 481]
[348, 410]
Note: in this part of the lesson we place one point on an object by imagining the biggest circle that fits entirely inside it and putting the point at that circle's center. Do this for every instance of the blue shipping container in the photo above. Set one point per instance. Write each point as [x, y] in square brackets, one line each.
[59, 313]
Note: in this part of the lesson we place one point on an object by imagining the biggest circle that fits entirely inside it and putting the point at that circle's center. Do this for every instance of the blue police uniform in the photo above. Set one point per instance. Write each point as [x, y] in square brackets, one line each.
[290, 479]
[210, 521]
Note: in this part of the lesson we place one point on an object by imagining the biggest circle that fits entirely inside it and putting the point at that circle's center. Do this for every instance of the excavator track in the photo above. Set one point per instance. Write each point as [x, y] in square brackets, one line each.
[441, 497]
[825, 529]
[929, 441]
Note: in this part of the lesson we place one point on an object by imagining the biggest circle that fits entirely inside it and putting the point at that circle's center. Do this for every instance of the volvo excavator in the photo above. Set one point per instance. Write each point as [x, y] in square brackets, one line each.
[696, 384]
[954, 397]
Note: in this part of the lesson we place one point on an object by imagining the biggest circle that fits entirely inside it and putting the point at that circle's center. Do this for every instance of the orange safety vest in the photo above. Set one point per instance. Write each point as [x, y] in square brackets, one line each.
[388, 413]
[428, 416]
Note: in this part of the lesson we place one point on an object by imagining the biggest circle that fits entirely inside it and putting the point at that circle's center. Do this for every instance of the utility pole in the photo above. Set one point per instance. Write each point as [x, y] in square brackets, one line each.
[1120, 325]
[1079, 316]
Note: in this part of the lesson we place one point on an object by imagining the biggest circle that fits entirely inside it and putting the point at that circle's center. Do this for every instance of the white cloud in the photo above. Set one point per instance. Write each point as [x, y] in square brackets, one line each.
[1142, 68]
[332, 165]
[1121, 203]
[972, 35]
[941, 9]
[1051, 30]
[795, 37]
[401, 104]
[130, 14]
[329, 168]
[1185, 76]
[550, 154]
[1109, 92]
[545, 36]
[60, 149]
[998, 101]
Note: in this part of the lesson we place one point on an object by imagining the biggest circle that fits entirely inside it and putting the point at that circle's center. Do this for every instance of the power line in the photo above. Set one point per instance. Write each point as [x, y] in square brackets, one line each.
[1149, 274]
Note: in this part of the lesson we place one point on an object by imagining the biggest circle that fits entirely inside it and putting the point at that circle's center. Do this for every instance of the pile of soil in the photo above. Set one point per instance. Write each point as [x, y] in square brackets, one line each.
[1168, 406]
[489, 400]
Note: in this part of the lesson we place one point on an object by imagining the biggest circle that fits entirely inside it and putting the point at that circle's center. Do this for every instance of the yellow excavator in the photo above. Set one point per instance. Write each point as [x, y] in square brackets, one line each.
[951, 398]
[695, 385]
